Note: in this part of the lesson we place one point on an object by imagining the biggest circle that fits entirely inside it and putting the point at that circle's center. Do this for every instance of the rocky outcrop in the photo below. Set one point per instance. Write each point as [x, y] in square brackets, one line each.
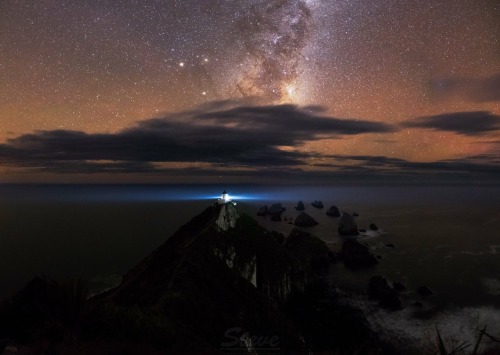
[263, 211]
[311, 251]
[218, 271]
[300, 206]
[424, 291]
[347, 225]
[373, 227]
[278, 237]
[276, 208]
[357, 256]
[398, 286]
[379, 289]
[227, 218]
[317, 204]
[304, 220]
[275, 211]
[333, 212]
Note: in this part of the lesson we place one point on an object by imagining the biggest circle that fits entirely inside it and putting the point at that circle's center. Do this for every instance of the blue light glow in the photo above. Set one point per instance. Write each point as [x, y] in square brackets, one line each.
[231, 197]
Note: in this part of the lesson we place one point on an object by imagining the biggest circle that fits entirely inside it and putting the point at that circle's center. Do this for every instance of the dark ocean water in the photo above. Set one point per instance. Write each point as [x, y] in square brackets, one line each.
[447, 238]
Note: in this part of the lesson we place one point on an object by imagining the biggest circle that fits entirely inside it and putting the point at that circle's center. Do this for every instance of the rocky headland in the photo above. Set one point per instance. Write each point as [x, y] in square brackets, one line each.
[221, 281]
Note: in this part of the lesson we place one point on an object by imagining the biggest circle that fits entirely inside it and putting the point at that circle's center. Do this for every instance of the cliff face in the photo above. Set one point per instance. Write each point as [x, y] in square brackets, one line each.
[220, 270]
[220, 234]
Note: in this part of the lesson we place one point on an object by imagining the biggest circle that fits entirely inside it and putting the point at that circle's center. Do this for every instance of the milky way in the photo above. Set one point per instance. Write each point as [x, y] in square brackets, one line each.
[274, 34]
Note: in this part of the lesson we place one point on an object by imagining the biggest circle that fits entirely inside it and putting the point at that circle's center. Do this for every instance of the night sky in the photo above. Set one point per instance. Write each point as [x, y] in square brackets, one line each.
[248, 90]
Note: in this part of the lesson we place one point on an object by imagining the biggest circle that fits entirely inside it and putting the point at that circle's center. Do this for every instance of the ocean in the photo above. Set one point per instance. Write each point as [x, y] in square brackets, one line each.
[444, 237]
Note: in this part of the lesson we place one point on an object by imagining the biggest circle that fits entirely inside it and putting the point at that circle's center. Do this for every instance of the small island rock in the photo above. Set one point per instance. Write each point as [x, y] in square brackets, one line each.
[333, 212]
[304, 220]
[275, 211]
[263, 211]
[357, 256]
[347, 225]
[373, 227]
[300, 206]
[317, 204]
[379, 289]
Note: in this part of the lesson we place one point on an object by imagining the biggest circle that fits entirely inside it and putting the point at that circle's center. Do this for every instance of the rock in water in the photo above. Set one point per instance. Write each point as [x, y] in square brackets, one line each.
[276, 210]
[300, 206]
[347, 225]
[263, 211]
[317, 204]
[304, 220]
[333, 212]
[378, 288]
[357, 256]
[373, 227]
[424, 291]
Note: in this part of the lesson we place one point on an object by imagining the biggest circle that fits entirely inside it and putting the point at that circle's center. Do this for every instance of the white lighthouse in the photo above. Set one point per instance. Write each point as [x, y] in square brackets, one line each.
[224, 198]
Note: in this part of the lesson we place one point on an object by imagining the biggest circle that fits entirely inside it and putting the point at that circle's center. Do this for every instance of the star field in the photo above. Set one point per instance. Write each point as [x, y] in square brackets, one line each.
[97, 66]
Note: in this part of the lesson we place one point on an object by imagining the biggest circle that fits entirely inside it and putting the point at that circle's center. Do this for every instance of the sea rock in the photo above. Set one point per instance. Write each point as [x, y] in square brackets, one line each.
[355, 214]
[362, 230]
[300, 206]
[398, 286]
[379, 289]
[333, 212]
[347, 225]
[304, 220]
[418, 304]
[263, 211]
[357, 256]
[390, 245]
[424, 291]
[317, 204]
[373, 227]
[276, 208]
[276, 211]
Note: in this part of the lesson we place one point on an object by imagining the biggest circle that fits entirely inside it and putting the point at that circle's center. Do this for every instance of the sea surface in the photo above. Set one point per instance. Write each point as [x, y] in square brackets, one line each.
[444, 237]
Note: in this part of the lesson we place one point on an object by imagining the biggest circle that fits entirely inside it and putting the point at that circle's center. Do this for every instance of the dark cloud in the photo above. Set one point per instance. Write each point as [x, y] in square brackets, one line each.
[466, 123]
[474, 89]
[221, 134]
[478, 164]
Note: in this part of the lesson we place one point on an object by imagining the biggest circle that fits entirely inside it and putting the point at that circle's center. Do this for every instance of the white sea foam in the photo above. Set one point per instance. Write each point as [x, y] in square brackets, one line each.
[407, 332]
